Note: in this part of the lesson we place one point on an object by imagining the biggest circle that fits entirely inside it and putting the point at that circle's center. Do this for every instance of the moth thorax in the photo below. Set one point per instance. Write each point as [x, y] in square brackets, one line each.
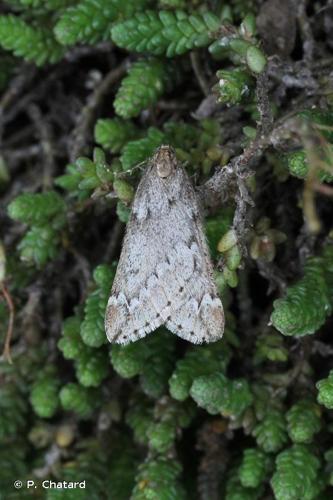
[165, 161]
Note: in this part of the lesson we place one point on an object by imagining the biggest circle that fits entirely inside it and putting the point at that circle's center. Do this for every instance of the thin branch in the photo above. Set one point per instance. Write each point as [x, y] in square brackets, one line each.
[219, 187]
[306, 31]
[264, 106]
[84, 120]
[45, 135]
[203, 84]
[6, 351]
[323, 189]
[16, 86]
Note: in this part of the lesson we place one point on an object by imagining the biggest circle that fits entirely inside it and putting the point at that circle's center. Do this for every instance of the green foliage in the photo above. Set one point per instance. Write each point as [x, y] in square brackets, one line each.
[36, 209]
[296, 474]
[12, 465]
[13, 411]
[232, 256]
[241, 46]
[39, 245]
[240, 8]
[255, 59]
[161, 436]
[92, 367]
[215, 226]
[169, 418]
[123, 212]
[165, 32]
[322, 119]
[298, 166]
[32, 43]
[146, 81]
[124, 191]
[308, 302]
[89, 463]
[44, 393]
[141, 149]
[325, 391]
[236, 491]
[218, 394]
[75, 397]
[129, 360]
[74, 24]
[270, 346]
[194, 144]
[92, 328]
[87, 175]
[91, 364]
[264, 241]
[150, 358]
[198, 361]
[158, 479]
[329, 465]
[254, 468]
[45, 213]
[71, 343]
[122, 469]
[303, 421]
[233, 86]
[271, 432]
[46, 4]
[139, 417]
[158, 365]
[114, 133]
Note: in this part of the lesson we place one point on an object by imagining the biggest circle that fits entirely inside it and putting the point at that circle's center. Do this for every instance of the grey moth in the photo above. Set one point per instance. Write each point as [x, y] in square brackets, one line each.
[164, 275]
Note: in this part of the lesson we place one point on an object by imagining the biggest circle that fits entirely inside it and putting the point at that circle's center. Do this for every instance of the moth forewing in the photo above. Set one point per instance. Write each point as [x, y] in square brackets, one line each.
[164, 274]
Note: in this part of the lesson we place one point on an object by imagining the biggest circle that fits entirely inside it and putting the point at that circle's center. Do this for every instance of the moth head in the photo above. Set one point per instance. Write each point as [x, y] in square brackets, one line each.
[165, 161]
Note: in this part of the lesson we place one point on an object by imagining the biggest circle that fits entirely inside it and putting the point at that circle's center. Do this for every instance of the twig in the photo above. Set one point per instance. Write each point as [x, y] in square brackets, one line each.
[36, 94]
[76, 53]
[323, 189]
[84, 120]
[15, 155]
[309, 206]
[306, 32]
[273, 275]
[195, 61]
[24, 77]
[264, 107]
[6, 351]
[219, 187]
[44, 132]
[211, 441]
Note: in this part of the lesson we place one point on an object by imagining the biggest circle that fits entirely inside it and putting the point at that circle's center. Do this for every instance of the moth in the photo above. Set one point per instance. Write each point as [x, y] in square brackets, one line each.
[164, 275]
